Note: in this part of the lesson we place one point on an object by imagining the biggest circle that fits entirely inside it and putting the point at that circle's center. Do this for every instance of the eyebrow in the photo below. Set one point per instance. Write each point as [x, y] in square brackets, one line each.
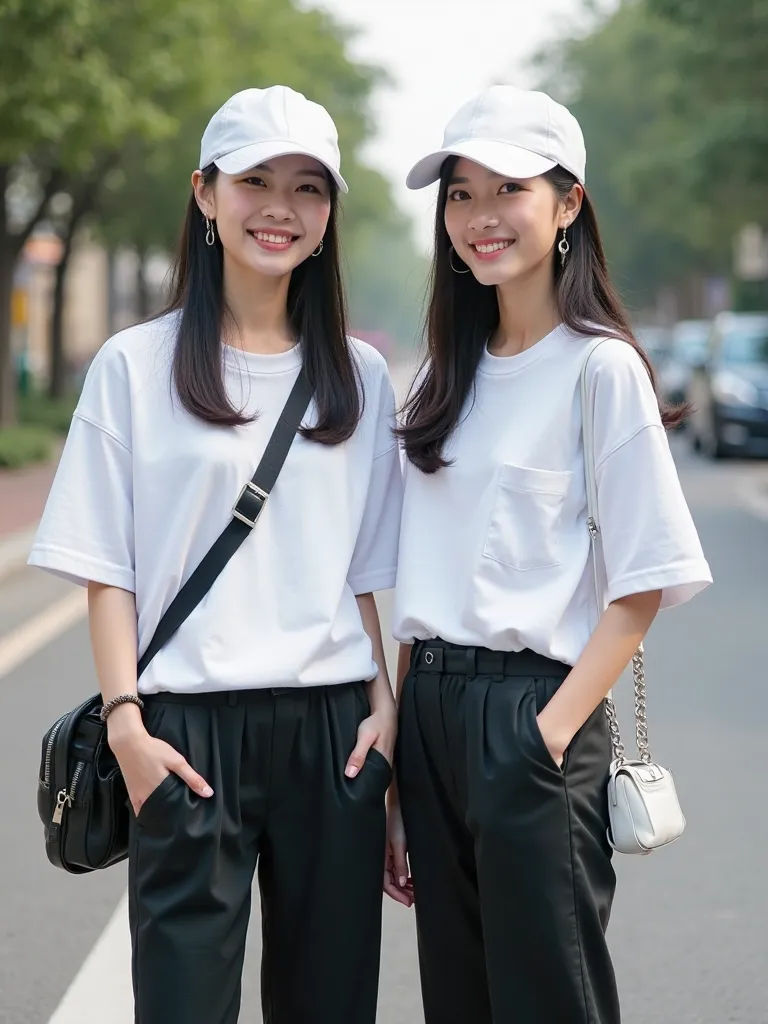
[307, 172]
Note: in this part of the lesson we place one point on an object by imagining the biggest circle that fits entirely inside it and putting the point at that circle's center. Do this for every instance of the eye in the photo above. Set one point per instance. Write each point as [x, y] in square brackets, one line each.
[459, 195]
[253, 180]
[309, 188]
[509, 188]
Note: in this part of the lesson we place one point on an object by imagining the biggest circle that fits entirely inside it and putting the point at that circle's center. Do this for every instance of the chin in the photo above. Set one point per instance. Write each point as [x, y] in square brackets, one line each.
[495, 276]
[274, 265]
[507, 270]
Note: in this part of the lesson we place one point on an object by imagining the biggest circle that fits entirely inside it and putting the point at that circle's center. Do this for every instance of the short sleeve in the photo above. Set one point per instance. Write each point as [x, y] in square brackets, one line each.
[648, 536]
[374, 562]
[86, 531]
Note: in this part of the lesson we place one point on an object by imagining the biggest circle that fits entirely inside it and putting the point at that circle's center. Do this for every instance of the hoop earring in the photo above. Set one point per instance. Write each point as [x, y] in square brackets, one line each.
[210, 236]
[451, 251]
[563, 248]
[319, 249]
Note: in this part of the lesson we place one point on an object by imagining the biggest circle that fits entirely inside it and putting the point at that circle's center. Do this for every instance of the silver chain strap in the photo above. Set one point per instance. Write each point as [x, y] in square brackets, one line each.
[638, 665]
[641, 715]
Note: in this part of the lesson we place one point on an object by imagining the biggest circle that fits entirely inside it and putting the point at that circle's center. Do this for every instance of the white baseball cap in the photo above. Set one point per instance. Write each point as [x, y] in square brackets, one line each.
[257, 125]
[510, 131]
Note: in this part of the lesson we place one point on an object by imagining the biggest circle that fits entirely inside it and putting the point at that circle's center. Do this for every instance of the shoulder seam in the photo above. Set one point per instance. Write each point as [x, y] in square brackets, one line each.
[625, 441]
[104, 430]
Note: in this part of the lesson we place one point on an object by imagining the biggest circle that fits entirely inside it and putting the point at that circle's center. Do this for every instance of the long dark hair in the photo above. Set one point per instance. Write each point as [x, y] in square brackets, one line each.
[317, 311]
[462, 314]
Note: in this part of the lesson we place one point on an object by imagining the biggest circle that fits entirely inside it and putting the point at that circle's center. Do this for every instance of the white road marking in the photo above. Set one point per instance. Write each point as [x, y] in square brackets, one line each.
[26, 640]
[102, 989]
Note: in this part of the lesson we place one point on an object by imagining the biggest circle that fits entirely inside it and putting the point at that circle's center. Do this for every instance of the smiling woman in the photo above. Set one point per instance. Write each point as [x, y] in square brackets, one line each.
[232, 460]
[244, 189]
[508, 649]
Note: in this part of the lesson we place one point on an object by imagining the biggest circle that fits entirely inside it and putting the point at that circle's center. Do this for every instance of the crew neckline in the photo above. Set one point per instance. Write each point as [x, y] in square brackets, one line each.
[261, 362]
[495, 365]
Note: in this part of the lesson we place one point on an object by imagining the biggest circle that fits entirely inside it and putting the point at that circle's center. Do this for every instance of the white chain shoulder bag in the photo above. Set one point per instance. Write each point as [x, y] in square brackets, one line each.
[643, 807]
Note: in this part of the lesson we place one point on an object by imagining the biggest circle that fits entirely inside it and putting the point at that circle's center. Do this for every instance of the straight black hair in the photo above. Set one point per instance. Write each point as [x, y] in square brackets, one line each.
[317, 312]
[462, 314]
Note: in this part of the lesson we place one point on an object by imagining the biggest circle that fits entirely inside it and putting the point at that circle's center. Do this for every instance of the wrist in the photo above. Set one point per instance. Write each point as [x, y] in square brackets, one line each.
[124, 723]
[557, 735]
[380, 696]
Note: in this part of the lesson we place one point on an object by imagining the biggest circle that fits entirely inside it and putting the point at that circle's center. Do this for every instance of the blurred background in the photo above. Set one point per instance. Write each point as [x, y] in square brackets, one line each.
[102, 105]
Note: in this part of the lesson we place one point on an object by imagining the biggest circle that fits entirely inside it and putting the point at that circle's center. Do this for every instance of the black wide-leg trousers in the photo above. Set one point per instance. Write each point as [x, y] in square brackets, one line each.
[282, 805]
[511, 867]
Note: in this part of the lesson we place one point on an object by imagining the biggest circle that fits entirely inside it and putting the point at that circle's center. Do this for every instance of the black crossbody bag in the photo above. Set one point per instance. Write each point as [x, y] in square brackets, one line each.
[81, 796]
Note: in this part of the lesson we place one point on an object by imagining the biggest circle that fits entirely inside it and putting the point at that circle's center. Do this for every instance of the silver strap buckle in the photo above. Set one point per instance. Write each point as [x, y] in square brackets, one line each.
[259, 503]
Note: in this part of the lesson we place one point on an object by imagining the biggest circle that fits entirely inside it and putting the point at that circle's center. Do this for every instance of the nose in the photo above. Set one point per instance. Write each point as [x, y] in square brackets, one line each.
[278, 210]
[483, 218]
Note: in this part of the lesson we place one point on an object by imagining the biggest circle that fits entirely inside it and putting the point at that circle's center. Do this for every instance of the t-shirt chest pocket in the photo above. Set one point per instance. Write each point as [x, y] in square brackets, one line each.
[524, 531]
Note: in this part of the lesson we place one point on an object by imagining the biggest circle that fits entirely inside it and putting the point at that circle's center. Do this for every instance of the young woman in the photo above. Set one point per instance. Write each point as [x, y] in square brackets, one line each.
[268, 723]
[503, 749]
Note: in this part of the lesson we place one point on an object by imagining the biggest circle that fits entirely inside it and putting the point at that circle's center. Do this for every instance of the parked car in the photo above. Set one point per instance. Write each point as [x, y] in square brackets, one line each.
[689, 340]
[655, 342]
[729, 389]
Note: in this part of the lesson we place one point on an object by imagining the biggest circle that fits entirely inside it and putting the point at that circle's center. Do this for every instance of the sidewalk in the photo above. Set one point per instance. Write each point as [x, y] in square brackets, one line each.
[22, 498]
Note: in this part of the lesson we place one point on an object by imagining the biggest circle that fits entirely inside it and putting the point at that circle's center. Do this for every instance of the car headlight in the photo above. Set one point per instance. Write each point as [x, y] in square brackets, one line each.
[731, 389]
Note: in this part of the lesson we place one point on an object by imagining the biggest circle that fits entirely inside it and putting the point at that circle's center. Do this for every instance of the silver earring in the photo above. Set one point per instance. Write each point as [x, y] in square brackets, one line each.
[319, 249]
[451, 251]
[563, 248]
[210, 237]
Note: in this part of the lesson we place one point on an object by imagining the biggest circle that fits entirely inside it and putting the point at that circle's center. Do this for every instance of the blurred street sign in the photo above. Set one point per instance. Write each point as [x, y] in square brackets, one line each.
[19, 307]
[751, 256]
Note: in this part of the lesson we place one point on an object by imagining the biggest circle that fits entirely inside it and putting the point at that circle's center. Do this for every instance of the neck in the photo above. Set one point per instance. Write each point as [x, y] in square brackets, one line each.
[259, 307]
[527, 312]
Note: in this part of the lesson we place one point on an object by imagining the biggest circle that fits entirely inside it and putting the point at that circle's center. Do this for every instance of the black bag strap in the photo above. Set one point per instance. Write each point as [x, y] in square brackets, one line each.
[245, 514]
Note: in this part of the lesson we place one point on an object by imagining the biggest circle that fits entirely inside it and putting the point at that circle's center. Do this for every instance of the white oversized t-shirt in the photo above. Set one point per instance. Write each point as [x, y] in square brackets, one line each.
[494, 549]
[144, 489]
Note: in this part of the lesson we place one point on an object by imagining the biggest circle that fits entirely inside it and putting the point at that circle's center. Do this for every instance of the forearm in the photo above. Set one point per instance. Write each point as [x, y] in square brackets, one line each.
[379, 688]
[605, 657]
[114, 640]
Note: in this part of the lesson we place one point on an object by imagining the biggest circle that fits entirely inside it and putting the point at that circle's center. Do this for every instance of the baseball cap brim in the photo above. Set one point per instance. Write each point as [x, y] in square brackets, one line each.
[242, 160]
[500, 157]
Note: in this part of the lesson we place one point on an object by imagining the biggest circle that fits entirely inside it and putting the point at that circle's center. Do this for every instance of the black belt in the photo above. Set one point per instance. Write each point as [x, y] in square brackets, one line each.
[455, 660]
[217, 698]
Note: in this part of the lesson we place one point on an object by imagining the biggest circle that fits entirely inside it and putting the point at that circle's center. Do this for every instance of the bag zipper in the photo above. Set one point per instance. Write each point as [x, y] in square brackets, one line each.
[49, 749]
[64, 798]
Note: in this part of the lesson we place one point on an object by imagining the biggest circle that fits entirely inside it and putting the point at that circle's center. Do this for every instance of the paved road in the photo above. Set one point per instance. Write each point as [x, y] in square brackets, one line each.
[688, 926]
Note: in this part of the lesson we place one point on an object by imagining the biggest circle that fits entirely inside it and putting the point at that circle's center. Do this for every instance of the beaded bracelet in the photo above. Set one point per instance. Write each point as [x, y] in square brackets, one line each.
[124, 698]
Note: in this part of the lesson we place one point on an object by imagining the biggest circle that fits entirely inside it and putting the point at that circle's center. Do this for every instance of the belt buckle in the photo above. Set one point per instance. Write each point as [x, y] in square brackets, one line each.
[433, 659]
[261, 497]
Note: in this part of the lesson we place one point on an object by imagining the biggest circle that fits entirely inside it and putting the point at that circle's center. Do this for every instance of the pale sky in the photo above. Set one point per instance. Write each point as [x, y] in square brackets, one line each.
[439, 53]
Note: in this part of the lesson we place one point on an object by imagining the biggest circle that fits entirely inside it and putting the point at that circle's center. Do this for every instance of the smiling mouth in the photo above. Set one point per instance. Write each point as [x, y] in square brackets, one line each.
[273, 240]
[486, 248]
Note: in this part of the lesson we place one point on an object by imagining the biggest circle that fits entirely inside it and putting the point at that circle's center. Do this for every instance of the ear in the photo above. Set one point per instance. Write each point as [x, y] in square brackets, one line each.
[204, 195]
[570, 206]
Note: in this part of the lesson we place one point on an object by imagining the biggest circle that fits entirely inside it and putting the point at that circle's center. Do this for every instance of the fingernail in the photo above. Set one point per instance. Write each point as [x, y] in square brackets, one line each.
[352, 771]
[402, 880]
[207, 791]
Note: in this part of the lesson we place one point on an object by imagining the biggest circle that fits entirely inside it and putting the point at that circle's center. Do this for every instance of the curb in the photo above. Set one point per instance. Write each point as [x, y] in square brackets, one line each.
[14, 550]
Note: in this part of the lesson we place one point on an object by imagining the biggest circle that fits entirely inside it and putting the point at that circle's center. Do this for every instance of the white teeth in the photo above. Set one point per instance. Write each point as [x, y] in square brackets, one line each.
[493, 247]
[276, 239]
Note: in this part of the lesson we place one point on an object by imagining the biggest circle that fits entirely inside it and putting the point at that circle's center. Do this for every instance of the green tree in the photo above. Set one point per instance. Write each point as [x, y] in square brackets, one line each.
[77, 77]
[623, 82]
[726, 65]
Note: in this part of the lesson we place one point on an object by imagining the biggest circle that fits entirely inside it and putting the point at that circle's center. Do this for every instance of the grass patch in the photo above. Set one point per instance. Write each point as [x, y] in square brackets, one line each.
[37, 410]
[20, 446]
